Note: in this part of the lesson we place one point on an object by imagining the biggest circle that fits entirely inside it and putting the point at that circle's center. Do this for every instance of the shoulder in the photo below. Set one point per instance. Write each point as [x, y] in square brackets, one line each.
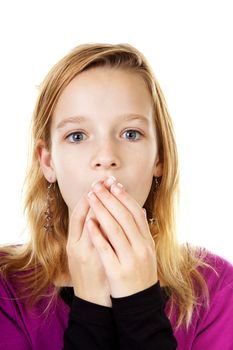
[13, 278]
[216, 321]
[23, 327]
[212, 321]
[8, 301]
[6, 275]
[219, 279]
[219, 276]
[15, 299]
[8, 288]
[5, 285]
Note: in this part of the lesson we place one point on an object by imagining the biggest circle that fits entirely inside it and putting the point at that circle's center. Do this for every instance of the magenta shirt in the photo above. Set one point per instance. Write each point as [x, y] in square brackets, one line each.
[210, 329]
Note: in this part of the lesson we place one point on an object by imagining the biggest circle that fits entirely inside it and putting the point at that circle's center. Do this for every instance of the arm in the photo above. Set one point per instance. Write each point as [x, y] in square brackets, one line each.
[90, 326]
[141, 321]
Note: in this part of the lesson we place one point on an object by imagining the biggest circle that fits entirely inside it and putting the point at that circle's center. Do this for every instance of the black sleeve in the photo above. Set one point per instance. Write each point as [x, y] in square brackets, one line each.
[90, 326]
[141, 321]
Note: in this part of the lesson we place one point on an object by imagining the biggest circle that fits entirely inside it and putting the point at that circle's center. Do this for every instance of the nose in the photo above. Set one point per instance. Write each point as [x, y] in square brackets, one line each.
[105, 157]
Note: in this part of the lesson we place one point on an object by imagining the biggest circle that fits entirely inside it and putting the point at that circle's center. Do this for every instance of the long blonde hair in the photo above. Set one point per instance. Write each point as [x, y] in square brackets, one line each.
[43, 258]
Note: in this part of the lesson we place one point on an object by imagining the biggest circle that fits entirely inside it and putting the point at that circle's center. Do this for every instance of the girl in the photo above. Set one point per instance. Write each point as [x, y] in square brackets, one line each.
[103, 268]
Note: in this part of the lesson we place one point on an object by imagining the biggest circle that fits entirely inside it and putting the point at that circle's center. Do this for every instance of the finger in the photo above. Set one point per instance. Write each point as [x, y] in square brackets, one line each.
[85, 238]
[127, 219]
[111, 228]
[91, 213]
[77, 220]
[107, 255]
[138, 213]
[107, 182]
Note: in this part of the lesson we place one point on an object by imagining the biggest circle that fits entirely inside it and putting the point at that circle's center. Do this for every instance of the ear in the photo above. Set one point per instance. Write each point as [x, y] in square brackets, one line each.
[45, 160]
[158, 168]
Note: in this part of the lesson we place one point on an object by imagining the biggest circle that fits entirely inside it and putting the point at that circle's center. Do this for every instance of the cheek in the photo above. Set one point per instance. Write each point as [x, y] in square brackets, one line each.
[144, 176]
[67, 162]
[143, 190]
[70, 178]
[139, 184]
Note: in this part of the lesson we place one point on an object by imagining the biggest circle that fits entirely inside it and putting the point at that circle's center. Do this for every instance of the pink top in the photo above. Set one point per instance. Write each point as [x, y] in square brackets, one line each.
[210, 329]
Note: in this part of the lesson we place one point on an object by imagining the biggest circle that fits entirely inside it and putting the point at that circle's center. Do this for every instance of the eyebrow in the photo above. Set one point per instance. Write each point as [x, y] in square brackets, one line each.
[78, 119]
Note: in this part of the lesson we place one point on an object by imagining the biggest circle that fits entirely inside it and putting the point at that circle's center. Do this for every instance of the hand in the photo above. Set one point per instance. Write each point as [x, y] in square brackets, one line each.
[129, 257]
[85, 266]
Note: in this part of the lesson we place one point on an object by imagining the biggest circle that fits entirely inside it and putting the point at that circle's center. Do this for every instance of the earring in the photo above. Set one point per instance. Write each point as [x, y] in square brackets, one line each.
[153, 221]
[48, 214]
[156, 185]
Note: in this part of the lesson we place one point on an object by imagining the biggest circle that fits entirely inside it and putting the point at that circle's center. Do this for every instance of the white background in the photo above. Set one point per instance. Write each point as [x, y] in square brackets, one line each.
[189, 45]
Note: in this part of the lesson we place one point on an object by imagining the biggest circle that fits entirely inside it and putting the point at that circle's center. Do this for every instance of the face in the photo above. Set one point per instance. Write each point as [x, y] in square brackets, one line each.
[107, 139]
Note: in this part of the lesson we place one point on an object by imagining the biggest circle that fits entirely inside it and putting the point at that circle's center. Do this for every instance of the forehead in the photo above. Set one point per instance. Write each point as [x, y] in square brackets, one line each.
[104, 91]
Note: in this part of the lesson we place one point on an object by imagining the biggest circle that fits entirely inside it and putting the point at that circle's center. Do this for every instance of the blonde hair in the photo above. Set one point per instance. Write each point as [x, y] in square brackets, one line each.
[43, 257]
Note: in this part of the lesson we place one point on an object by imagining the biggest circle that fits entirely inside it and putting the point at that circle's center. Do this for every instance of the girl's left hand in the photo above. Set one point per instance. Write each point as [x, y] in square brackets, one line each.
[128, 253]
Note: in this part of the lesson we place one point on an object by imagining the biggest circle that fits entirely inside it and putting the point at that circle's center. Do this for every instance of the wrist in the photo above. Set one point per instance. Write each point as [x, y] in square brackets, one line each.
[99, 300]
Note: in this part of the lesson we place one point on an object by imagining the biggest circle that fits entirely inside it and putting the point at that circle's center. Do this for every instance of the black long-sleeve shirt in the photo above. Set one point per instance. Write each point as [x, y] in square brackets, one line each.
[137, 321]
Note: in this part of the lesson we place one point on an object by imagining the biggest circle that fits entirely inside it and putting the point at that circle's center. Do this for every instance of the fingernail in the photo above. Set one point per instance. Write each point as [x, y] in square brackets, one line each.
[93, 183]
[91, 196]
[117, 188]
[110, 180]
[98, 187]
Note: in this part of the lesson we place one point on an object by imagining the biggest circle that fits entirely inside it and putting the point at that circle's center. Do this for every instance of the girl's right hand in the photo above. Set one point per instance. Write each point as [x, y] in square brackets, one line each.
[85, 267]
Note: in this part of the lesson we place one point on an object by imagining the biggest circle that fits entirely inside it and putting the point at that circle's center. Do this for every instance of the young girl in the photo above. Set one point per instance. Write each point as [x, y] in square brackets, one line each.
[103, 268]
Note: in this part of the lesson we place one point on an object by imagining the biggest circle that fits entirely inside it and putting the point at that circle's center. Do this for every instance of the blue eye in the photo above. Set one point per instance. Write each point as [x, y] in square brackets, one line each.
[76, 139]
[78, 133]
[130, 132]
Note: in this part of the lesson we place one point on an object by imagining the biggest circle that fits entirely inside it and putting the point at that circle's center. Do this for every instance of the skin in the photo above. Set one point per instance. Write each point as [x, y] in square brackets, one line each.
[118, 237]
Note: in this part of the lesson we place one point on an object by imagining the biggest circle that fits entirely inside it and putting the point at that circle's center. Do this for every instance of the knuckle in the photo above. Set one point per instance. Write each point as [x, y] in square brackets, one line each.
[126, 216]
[145, 251]
[69, 249]
[77, 215]
[152, 243]
[104, 248]
[82, 259]
[73, 253]
[118, 230]
[142, 214]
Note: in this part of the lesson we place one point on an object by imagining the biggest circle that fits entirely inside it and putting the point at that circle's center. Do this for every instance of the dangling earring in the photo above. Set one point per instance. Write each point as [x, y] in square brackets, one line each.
[48, 214]
[156, 185]
[153, 220]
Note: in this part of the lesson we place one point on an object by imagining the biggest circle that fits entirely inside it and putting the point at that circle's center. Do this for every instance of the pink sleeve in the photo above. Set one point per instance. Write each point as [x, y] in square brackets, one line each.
[216, 327]
[12, 334]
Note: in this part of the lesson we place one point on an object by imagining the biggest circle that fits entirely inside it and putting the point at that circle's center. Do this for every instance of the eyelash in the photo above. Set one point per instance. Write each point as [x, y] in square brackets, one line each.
[80, 132]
